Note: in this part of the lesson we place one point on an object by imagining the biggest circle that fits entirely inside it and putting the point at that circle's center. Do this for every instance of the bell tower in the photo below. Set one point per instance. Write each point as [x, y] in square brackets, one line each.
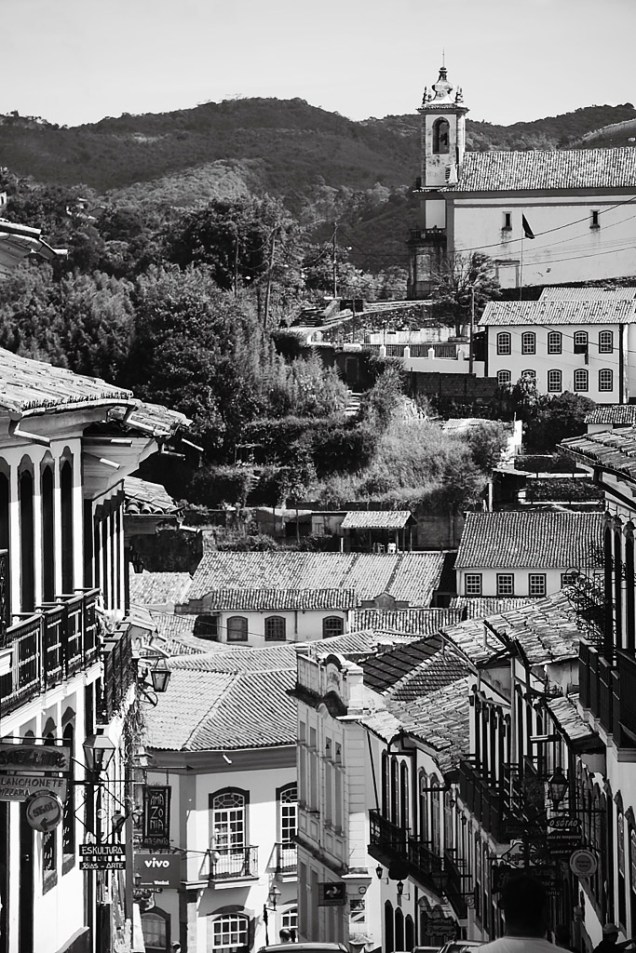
[443, 134]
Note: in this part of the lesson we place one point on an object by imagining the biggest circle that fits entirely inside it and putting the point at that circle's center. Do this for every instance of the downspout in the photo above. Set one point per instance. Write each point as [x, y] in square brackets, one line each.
[621, 362]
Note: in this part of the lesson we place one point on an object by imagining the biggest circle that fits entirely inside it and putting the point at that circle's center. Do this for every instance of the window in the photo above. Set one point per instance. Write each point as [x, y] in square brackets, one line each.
[528, 342]
[288, 815]
[528, 372]
[289, 920]
[555, 381]
[228, 932]
[505, 584]
[441, 142]
[536, 584]
[472, 584]
[504, 378]
[568, 579]
[275, 629]
[595, 222]
[206, 627]
[605, 342]
[227, 821]
[504, 343]
[331, 626]
[606, 379]
[555, 342]
[507, 222]
[581, 379]
[154, 926]
[580, 342]
[237, 629]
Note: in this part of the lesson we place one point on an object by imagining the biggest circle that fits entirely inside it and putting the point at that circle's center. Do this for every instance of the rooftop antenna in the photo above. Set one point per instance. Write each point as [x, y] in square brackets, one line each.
[443, 57]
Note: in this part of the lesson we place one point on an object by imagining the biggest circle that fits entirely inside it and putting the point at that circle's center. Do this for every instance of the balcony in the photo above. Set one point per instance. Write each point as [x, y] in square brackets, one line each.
[496, 803]
[608, 690]
[285, 858]
[388, 841]
[47, 647]
[395, 848]
[232, 864]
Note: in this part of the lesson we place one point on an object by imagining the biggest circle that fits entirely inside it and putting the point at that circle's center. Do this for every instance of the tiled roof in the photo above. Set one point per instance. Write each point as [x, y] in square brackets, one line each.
[153, 419]
[613, 450]
[561, 169]
[567, 716]
[219, 657]
[28, 385]
[533, 539]
[144, 498]
[439, 670]
[383, 670]
[382, 723]
[620, 415]
[480, 607]
[586, 294]
[376, 519]
[556, 312]
[273, 600]
[158, 588]
[409, 577]
[546, 629]
[412, 621]
[441, 720]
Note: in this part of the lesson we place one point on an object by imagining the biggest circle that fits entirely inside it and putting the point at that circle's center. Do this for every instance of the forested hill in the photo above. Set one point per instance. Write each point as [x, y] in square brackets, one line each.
[284, 147]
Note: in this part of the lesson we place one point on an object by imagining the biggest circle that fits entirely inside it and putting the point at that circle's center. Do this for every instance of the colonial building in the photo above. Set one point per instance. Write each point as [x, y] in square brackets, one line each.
[542, 217]
[529, 553]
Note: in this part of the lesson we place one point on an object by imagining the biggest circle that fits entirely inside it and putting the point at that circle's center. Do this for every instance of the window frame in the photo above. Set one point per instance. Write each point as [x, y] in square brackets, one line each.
[440, 126]
[236, 636]
[580, 342]
[507, 381]
[581, 374]
[500, 577]
[233, 840]
[237, 933]
[274, 626]
[504, 343]
[507, 222]
[475, 578]
[533, 579]
[605, 341]
[529, 342]
[605, 376]
[551, 372]
[529, 372]
[555, 342]
[595, 223]
[325, 626]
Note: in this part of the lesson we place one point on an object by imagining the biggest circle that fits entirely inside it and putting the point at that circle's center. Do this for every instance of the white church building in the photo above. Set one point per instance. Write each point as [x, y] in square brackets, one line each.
[544, 218]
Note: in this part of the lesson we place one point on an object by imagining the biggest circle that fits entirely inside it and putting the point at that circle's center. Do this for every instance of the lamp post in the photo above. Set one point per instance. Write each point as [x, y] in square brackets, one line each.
[272, 898]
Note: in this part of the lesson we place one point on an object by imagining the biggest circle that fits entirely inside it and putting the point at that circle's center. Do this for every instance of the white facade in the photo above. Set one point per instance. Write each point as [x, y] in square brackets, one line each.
[507, 582]
[258, 628]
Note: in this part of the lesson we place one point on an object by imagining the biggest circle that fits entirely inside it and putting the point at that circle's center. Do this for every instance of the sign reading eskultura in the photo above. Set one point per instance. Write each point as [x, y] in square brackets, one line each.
[27, 769]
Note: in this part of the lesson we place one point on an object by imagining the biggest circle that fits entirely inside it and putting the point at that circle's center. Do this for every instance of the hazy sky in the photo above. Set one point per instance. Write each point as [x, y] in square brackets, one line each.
[74, 61]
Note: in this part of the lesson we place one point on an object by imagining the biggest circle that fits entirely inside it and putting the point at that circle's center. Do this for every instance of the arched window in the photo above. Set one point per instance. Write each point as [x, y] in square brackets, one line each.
[228, 820]
[229, 932]
[555, 381]
[404, 796]
[331, 626]
[441, 137]
[386, 784]
[555, 342]
[237, 629]
[528, 342]
[395, 802]
[66, 498]
[605, 342]
[529, 372]
[504, 343]
[581, 380]
[48, 535]
[287, 825]
[504, 378]
[275, 628]
[389, 931]
[580, 342]
[606, 379]
[27, 566]
[154, 926]
[289, 920]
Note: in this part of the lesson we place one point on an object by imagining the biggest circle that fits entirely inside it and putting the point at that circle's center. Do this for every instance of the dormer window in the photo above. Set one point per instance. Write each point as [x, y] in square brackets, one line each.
[441, 137]
[507, 222]
[595, 220]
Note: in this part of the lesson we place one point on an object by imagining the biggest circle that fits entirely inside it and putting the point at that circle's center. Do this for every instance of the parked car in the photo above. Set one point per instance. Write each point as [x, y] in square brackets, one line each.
[460, 946]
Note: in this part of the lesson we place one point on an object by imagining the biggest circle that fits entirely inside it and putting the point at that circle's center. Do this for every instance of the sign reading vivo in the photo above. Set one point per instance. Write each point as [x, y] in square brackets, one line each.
[156, 870]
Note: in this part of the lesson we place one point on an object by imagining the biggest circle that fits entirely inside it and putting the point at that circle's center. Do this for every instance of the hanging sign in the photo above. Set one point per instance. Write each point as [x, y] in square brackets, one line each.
[44, 811]
[583, 863]
[156, 870]
[156, 828]
[18, 787]
[27, 769]
[102, 856]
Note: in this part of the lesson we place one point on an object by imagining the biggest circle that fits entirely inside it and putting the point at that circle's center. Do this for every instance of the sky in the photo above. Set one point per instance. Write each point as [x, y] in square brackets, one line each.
[77, 61]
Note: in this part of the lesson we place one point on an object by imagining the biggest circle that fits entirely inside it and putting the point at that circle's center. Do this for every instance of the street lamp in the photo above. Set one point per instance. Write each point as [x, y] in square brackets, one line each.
[557, 787]
[159, 677]
[99, 751]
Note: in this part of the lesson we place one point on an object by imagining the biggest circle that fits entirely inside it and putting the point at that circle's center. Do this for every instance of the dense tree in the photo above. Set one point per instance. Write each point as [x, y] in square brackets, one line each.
[461, 283]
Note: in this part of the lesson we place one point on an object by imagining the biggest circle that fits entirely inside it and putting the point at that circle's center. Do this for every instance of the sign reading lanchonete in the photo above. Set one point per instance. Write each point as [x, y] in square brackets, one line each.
[27, 769]
[102, 857]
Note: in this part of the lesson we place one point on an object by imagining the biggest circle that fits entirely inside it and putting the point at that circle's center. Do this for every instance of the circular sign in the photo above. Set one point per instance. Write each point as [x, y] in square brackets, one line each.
[44, 811]
[583, 863]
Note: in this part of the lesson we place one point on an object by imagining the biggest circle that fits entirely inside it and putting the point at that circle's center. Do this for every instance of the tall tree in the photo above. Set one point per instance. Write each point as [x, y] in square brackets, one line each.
[460, 278]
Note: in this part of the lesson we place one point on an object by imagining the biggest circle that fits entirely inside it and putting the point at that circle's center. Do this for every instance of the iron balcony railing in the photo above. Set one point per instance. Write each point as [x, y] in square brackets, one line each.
[233, 863]
[286, 857]
[608, 690]
[57, 640]
[387, 836]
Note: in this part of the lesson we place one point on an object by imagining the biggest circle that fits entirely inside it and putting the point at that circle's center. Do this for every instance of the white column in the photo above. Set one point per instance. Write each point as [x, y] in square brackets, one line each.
[15, 548]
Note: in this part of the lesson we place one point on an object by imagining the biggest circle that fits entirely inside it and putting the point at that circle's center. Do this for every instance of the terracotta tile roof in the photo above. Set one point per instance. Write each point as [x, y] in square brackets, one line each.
[441, 720]
[279, 599]
[153, 419]
[219, 657]
[557, 312]
[376, 519]
[620, 415]
[383, 670]
[546, 629]
[533, 539]
[434, 673]
[561, 169]
[613, 450]
[481, 607]
[586, 294]
[28, 385]
[567, 716]
[411, 621]
[144, 498]
[158, 588]
[409, 577]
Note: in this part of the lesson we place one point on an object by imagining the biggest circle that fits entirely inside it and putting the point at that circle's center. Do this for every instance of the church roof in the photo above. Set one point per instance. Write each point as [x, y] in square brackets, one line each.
[560, 169]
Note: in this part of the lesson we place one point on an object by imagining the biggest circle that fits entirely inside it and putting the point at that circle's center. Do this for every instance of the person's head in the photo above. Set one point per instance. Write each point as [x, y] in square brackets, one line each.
[284, 935]
[524, 902]
[610, 932]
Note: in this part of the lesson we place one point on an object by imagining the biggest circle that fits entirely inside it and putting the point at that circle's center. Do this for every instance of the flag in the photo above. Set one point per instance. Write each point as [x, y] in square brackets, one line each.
[527, 231]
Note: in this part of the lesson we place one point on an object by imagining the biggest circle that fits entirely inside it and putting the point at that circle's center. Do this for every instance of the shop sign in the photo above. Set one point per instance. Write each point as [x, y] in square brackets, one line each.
[102, 857]
[19, 787]
[155, 870]
[32, 758]
[583, 863]
[156, 828]
[44, 811]
[332, 894]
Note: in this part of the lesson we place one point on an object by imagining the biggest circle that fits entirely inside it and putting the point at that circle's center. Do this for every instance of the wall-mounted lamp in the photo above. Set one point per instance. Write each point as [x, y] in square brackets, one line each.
[273, 896]
[400, 887]
[159, 677]
[99, 751]
[557, 787]
[379, 870]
